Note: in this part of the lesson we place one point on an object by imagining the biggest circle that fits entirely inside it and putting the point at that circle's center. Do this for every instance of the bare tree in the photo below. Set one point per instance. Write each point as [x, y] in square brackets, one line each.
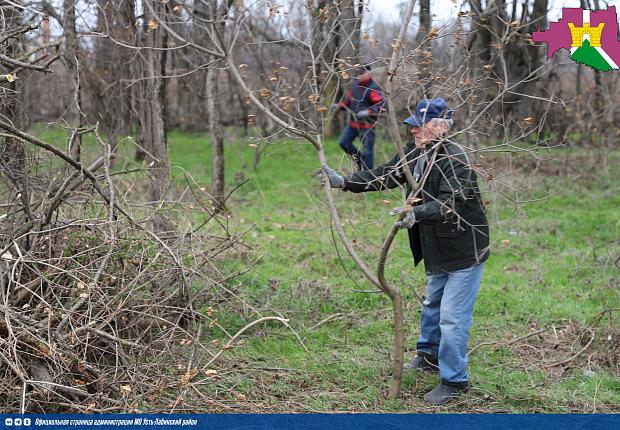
[112, 67]
[153, 135]
[214, 13]
[424, 51]
[71, 61]
[346, 41]
[12, 153]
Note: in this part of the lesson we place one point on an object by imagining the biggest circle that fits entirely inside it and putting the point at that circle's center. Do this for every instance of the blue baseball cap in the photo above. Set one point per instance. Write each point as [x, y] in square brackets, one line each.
[428, 109]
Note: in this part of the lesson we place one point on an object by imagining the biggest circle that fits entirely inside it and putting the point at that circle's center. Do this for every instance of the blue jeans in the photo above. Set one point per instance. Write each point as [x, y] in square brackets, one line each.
[447, 312]
[365, 158]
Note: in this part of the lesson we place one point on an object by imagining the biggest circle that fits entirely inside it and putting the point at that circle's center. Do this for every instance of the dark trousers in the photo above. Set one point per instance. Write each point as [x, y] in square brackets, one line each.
[364, 158]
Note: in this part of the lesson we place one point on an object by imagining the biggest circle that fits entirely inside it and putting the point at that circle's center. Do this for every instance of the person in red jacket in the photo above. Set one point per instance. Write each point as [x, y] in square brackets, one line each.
[364, 102]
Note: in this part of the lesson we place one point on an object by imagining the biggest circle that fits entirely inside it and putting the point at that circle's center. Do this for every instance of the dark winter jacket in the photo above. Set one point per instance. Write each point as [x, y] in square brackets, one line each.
[451, 232]
[361, 97]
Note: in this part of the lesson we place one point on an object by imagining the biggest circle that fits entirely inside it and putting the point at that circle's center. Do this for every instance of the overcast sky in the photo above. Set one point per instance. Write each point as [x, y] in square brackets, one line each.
[445, 10]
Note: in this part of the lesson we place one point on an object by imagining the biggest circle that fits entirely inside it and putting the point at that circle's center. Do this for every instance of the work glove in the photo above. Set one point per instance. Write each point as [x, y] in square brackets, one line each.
[408, 221]
[335, 180]
[363, 114]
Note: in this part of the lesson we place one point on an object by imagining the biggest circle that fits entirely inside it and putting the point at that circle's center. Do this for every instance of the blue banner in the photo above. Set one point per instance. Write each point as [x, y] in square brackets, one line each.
[311, 422]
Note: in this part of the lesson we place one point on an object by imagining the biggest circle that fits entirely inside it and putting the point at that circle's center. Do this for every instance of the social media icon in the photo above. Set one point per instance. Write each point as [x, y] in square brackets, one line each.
[17, 421]
[8, 422]
[27, 421]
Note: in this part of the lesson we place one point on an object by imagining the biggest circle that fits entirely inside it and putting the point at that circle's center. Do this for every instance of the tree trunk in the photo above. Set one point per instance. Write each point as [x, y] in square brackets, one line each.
[215, 12]
[346, 47]
[394, 292]
[70, 58]
[12, 154]
[423, 57]
[529, 109]
[599, 96]
[152, 112]
[114, 65]
[217, 138]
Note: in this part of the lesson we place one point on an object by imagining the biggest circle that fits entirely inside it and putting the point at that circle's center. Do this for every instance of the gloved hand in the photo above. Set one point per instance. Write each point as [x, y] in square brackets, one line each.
[363, 114]
[335, 180]
[335, 107]
[408, 221]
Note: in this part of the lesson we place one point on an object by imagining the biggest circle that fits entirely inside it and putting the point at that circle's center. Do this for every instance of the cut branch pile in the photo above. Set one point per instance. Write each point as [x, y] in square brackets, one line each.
[573, 346]
[107, 286]
[97, 312]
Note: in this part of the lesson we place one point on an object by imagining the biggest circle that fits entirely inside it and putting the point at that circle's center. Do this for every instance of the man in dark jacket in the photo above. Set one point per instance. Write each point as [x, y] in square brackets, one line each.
[448, 229]
[364, 102]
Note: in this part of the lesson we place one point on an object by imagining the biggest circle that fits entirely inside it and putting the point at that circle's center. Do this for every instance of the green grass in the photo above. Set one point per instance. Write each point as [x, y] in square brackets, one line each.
[555, 271]
[552, 266]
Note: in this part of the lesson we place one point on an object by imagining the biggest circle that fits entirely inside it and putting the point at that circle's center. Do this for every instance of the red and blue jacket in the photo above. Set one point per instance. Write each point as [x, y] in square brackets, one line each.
[362, 96]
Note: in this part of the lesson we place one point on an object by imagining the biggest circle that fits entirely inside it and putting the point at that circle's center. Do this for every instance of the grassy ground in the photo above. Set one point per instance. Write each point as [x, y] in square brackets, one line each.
[553, 270]
[553, 267]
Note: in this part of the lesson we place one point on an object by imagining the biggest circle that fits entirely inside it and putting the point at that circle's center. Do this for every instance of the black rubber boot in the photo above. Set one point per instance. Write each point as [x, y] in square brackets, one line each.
[443, 392]
[424, 362]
